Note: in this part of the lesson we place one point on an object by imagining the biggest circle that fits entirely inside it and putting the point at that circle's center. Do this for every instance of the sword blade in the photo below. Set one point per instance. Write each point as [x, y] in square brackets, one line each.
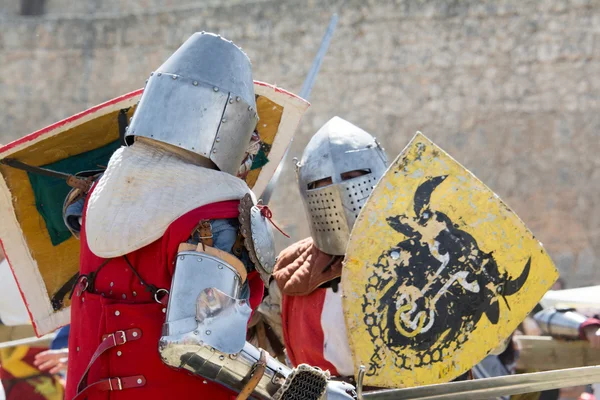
[35, 170]
[485, 388]
[304, 93]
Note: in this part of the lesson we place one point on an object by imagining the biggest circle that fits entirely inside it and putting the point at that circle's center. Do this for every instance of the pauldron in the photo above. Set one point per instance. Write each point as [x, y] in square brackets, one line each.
[257, 231]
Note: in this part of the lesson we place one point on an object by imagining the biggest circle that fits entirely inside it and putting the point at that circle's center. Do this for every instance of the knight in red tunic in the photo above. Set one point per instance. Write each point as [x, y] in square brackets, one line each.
[168, 232]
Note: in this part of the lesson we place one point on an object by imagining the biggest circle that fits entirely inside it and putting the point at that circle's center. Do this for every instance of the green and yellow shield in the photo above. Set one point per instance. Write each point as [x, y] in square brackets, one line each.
[41, 251]
[438, 272]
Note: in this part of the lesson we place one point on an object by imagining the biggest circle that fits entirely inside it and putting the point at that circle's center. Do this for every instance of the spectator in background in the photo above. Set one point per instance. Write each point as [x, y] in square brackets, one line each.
[56, 359]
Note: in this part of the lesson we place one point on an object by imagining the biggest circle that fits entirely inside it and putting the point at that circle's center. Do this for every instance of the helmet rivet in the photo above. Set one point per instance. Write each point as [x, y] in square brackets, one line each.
[195, 83]
[230, 101]
[214, 150]
[216, 89]
[159, 74]
[151, 73]
[237, 98]
[249, 108]
[174, 76]
[224, 120]
[218, 139]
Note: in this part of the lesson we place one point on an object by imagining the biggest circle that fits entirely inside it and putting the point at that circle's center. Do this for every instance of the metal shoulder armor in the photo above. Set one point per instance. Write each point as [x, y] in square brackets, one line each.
[560, 322]
[258, 236]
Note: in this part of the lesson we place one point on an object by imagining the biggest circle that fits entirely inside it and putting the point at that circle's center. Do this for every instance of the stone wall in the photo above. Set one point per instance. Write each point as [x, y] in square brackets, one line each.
[508, 87]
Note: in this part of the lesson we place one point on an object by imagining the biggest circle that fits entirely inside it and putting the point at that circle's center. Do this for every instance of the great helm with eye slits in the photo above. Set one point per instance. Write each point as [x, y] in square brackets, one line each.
[337, 151]
[201, 100]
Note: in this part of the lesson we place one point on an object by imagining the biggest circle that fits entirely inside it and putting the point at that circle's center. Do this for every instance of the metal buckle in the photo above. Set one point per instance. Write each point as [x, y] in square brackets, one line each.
[120, 387]
[82, 285]
[157, 292]
[123, 336]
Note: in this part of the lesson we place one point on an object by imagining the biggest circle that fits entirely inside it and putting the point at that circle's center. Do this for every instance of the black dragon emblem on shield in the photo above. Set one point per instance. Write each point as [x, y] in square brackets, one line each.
[429, 291]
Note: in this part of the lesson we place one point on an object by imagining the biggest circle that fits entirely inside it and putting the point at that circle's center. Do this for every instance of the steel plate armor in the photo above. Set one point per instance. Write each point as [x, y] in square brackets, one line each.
[560, 322]
[205, 333]
[201, 100]
[337, 148]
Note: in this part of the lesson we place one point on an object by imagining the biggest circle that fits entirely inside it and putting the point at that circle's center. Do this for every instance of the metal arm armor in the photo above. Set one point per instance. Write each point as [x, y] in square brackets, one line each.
[560, 322]
[205, 332]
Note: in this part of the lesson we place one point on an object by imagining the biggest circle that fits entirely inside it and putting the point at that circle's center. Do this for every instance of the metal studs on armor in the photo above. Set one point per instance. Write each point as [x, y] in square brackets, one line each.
[117, 313]
[208, 332]
[134, 334]
[195, 83]
[139, 381]
[119, 353]
[216, 89]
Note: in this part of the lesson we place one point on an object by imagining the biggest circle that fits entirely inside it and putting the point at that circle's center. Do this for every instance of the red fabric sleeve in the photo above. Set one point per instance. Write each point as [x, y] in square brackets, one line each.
[588, 322]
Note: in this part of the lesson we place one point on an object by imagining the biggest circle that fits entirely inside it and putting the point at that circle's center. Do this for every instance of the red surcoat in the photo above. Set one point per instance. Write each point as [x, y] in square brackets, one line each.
[120, 302]
[312, 316]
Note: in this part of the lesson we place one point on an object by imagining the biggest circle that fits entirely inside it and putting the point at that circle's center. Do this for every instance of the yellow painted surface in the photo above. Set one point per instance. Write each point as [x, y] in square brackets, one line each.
[402, 291]
[57, 264]
[270, 114]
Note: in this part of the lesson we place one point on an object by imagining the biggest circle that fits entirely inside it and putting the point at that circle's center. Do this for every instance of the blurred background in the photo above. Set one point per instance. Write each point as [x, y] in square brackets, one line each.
[510, 88]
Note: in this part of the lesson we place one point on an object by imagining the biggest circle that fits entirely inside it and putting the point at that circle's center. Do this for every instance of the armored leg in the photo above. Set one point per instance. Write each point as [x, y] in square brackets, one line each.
[205, 332]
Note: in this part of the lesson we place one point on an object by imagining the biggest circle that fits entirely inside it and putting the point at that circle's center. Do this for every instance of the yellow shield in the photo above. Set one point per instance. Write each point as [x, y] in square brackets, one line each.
[438, 272]
[43, 256]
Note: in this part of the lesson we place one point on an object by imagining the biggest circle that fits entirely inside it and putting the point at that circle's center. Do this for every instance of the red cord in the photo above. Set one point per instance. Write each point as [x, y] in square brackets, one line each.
[266, 212]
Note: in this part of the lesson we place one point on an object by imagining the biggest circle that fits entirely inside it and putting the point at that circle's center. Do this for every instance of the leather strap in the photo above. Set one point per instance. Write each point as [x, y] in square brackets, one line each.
[223, 255]
[261, 335]
[112, 384]
[204, 230]
[109, 341]
[258, 370]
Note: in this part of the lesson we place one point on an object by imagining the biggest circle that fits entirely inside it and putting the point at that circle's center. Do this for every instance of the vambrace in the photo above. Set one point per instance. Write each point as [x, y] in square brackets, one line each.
[560, 322]
[205, 333]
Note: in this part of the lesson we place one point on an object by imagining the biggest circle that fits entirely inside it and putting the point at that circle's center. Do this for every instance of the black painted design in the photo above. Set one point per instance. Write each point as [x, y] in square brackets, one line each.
[429, 291]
